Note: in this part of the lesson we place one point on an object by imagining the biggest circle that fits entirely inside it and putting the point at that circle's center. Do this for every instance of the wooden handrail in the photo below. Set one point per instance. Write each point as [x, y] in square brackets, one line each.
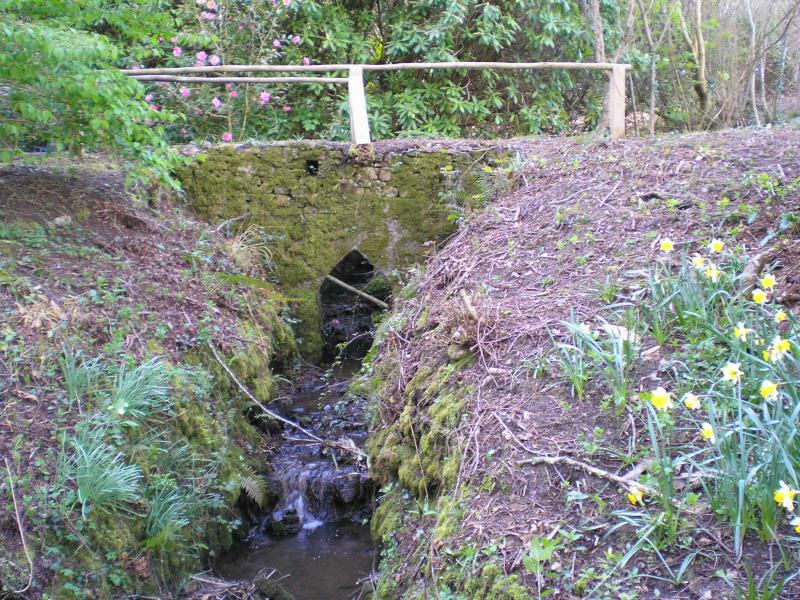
[386, 67]
[357, 99]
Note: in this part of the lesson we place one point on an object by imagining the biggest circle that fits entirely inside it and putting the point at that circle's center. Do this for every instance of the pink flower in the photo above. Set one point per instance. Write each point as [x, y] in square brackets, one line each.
[287, 108]
[201, 2]
[276, 43]
[162, 84]
[264, 98]
[295, 39]
[198, 112]
[306, 61]
[208, 16]
[185, 92]
[199, 63]
[160, 39]
[202, 56]
[227, 137]
[148, 98]
[184, 131]
[174, 40]
[228, 86]
[177, 51]
[233, 94]
[154, 107]
[287, 2]
[216, 102]
[211, 5]
[213, 60]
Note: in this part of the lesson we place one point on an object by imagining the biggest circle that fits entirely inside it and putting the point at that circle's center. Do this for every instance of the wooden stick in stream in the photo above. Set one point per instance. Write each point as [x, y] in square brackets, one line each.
[358, 292]
[274, 415]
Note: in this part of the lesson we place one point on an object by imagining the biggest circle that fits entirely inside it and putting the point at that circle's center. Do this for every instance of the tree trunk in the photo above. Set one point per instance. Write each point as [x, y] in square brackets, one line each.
[597, 27]
[753, 64]
[693, 35]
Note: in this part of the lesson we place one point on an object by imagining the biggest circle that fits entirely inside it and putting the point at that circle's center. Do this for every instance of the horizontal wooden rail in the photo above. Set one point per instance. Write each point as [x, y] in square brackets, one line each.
[357, 98]
[387, 67]
[240, 79]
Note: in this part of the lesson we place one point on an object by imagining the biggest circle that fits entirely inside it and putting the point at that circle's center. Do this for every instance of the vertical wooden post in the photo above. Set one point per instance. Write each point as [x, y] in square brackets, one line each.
[357, 101]
[616, 102]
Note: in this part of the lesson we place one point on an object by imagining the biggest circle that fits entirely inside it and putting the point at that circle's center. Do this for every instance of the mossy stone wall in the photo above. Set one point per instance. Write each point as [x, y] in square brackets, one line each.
[320, 200]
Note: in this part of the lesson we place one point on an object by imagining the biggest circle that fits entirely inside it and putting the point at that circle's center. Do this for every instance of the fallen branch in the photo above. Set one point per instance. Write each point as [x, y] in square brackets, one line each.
[21, 532]
[278, 417]
[358, 292]
[565, 460]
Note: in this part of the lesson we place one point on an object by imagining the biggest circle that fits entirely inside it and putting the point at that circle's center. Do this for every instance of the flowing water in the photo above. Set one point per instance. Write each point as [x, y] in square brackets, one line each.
[314, 540]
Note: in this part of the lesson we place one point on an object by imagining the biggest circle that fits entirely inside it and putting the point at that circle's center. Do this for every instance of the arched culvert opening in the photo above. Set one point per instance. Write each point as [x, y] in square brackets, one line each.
[347, 318]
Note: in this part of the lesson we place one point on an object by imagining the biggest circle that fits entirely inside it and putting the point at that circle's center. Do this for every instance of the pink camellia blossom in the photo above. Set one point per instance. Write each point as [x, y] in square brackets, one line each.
[264, 98]
[211, 5]
[228, 86]
[202, 56]
[276, 43]
[199, 63]
[154, 107]
[160, 39]
[177, 51]
[148, 98]
[213, 60]
[185, 92]
[208, 16]
[295, 39]
[216, 102]
[287, 108]
[233, 94]
[306, 61]
[227, 137]
[174, 40]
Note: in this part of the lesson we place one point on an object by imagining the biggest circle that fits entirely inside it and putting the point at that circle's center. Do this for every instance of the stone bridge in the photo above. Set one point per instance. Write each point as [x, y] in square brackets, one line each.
[319, 201]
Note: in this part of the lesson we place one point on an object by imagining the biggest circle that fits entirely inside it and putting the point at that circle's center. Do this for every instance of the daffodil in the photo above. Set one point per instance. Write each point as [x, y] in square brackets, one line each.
[779, 348]
[740, 332]
[691, 401]
[716, 245]
[784, 496]
[768, 390]
[765, 355]
[661, 399]
[585, 329]
[667, 245]
[698, 262]
[768, 281]
[635, 495]
[712, 272]
[781, 316]
[796, 524]
[732, 372]
[759, 296]
[707, 431]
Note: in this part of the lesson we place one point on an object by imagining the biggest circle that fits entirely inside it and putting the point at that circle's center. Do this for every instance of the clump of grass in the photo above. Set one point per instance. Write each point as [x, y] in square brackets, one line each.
[141, 391]
[103, 479]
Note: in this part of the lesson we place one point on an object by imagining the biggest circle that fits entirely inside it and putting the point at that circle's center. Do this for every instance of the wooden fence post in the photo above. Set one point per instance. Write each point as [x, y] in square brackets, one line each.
[357, 102]
[616, 101]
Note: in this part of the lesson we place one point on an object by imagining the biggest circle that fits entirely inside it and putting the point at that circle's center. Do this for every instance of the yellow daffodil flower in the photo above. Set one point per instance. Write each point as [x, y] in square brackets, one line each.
[759, 296]
[698, 262]
[740, 332]
[781, 316]
[765, 354]
[796, 524]
[732, 372]
[635, 495]
[779, 348]
[716, 245]
[707, 431]
[768, 390]
[713, 272]
[667, 245]
[691, 401]
[768, 281]
[661, 399]
[784, 496]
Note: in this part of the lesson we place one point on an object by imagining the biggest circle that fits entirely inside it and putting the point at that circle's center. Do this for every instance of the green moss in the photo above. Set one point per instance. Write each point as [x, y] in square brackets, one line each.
[387, 207]
[493, 584]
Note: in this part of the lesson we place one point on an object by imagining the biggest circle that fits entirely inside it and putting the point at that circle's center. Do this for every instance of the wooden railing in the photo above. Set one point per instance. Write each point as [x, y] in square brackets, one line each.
[357, 98]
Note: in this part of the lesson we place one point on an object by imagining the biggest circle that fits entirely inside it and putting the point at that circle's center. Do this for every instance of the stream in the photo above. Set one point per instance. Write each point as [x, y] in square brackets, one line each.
[314, 538]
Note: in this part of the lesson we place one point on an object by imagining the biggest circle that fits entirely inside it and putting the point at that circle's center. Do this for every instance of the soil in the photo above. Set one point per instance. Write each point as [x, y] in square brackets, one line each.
[586, 216]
